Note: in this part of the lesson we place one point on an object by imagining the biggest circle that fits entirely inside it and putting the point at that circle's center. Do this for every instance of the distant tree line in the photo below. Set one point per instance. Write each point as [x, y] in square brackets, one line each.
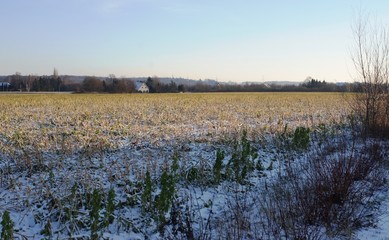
[112, 84]
[55, 83]
[29, 83]
[261, 87]
[109, 85]
[314, 83]
[156, 86]
[311, 85]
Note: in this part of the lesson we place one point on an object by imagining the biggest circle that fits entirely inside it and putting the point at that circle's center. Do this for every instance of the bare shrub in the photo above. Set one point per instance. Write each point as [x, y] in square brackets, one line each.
[236, 223]
[371, 61]
[329, 195]
[187, 218]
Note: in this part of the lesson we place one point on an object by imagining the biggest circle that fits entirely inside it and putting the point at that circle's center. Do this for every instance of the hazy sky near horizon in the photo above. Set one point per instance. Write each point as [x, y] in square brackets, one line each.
[227, 40]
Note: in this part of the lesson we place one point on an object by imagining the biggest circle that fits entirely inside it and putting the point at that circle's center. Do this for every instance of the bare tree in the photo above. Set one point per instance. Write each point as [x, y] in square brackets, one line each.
[111, 79]
[16, 81]
[28, 81]
[371, 61]
[92, 84]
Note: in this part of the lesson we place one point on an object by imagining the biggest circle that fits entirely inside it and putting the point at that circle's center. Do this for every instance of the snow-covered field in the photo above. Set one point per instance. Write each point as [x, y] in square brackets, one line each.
[180, 166]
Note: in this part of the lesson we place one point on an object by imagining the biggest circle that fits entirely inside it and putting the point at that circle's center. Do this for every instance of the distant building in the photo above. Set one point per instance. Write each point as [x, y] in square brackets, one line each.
[4, 86]
[141, 87]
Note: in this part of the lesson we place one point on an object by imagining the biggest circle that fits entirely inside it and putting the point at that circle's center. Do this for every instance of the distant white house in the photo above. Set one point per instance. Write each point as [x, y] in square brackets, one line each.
[141, 87]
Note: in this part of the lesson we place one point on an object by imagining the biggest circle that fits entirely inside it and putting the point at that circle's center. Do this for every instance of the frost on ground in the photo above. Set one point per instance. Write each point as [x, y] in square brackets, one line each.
[232, 190]
[380, 228]
[188, 166]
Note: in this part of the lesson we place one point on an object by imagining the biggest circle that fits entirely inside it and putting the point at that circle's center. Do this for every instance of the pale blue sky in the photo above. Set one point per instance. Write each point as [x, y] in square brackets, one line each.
[220, 39]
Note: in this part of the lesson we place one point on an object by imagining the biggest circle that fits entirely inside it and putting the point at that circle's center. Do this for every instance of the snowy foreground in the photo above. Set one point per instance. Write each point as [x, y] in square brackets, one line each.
[381, 228]
[201, 190]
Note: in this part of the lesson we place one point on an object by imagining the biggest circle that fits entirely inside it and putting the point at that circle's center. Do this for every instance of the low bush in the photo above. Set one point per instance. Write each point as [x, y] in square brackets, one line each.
[328, 195]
